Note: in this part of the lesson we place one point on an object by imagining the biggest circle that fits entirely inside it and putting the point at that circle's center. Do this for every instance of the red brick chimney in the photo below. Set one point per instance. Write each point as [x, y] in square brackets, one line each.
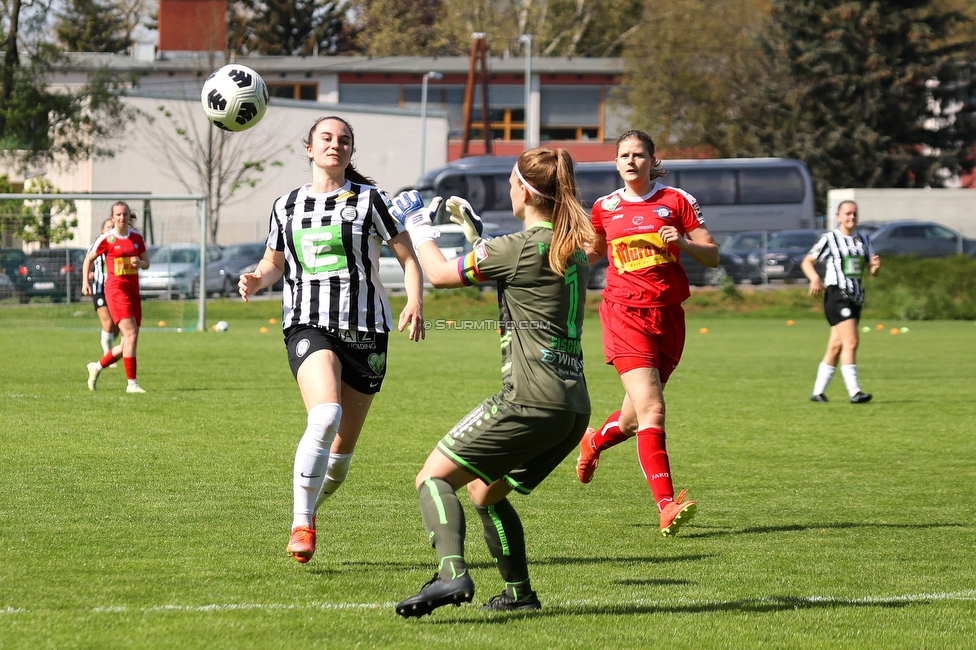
[192, 25]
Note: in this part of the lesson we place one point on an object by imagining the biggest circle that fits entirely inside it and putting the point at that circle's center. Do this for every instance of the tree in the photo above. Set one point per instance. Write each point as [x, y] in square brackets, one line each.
[206, 160]
[869, 94]
[92, 26]
[688, 69]
[289, 27]
[44, 221]
[444, 27]
[584, 27]
[408, 28]
[37, 124]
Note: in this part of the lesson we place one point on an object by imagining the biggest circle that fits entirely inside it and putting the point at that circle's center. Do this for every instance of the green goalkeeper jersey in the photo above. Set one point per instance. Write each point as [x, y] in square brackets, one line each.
[540, 317]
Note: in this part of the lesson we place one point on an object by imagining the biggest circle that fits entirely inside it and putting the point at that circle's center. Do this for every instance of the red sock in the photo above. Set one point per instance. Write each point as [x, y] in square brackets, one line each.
[108, 359]
[130, 367]
[654, 461]
[609, 434]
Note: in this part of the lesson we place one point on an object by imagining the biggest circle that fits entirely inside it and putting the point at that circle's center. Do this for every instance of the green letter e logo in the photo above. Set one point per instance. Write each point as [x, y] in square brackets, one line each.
[320, 249]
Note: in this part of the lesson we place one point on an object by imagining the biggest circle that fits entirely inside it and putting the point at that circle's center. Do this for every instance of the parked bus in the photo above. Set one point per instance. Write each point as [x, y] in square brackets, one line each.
[736, 194]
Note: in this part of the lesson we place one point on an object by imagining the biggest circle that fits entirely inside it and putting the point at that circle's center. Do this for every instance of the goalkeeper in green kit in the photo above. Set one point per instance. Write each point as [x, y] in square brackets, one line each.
[516, 438]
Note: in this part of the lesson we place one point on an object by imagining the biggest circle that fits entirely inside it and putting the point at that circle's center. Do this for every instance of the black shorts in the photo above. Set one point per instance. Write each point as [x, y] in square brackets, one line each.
[521, 444]
[838, 307]
[362, 355]
[98, 299]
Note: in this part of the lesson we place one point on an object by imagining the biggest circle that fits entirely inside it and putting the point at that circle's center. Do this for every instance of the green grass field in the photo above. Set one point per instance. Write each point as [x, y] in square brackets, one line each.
[160, 520]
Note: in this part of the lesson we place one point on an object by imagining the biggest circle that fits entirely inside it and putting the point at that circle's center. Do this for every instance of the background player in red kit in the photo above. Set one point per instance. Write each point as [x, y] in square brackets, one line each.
[125, 254]
[643, 227]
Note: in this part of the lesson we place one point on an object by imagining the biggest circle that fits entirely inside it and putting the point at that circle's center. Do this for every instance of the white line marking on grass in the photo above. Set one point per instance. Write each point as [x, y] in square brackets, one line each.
[122, 609]
[866, 600]
[231, 607]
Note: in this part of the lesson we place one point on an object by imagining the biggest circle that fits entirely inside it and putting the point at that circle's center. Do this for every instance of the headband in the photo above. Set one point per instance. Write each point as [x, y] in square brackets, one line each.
[528, 186]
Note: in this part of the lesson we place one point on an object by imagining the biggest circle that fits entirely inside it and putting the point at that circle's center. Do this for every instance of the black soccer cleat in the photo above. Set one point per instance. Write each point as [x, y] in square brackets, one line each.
[437, 593]
[861, 398]
[819, 398]
[505, 603]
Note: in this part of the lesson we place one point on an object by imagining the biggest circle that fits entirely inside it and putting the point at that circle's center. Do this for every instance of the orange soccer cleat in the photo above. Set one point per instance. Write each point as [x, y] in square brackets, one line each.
[301, 546]
[677, 513]
[589, 457]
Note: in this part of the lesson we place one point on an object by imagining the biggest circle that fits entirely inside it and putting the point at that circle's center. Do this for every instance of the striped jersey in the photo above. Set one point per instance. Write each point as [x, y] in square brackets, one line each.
[98, 271]
[331, 244]
[846, 258]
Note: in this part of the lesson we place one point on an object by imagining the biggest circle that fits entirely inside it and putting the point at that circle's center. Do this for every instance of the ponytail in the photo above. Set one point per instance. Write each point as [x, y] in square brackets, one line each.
[553, 175]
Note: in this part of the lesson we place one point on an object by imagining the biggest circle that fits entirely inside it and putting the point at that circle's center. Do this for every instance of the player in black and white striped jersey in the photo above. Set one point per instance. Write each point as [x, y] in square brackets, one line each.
[325, 240]
[847, 255]
[109, 329]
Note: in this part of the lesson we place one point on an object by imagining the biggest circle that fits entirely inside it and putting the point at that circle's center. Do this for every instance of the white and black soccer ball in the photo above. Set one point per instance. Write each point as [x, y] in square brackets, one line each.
[234, 97]
[221, 326]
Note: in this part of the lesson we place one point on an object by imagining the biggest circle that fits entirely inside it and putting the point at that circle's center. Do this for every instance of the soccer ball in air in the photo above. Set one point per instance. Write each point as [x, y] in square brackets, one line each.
[234, 97]
[221, 326]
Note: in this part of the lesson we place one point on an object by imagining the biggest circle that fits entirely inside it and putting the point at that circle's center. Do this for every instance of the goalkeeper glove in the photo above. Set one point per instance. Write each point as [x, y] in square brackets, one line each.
[408, 209]
[464, 215]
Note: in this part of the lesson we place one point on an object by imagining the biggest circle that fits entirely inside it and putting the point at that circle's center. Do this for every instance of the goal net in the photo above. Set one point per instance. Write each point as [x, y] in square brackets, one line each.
[173, 226]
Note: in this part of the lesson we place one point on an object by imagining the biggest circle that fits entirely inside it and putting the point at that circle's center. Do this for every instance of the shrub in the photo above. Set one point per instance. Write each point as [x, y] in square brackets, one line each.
[911, 288]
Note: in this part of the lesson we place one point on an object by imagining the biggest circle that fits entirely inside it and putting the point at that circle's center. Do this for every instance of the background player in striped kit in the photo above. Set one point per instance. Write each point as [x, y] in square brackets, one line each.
[97, 278]
[325, 239]
[846, 253]
[516, 438]
[644, 227]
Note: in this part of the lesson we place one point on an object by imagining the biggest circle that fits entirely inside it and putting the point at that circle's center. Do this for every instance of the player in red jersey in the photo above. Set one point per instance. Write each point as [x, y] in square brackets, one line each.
[125, 253]
[643, 228]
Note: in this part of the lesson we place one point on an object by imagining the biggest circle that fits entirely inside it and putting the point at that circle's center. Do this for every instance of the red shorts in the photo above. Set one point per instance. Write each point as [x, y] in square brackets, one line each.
[643, 337]
[122, 304]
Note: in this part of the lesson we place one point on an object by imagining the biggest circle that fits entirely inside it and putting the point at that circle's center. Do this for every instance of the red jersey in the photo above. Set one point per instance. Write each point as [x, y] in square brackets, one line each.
[120, 273]
[643, 271]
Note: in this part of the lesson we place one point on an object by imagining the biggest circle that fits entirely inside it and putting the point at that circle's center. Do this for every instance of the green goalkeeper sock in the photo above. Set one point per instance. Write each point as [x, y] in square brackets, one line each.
[506, 541]
[444, 520]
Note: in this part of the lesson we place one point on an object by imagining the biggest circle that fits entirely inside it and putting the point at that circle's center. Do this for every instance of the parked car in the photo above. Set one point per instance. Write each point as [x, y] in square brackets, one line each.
[13, 263]
[870, 227]
[451, 242]
[242, 258]
[920, 238]
[740, 256]
[174, 271]
[729, 266]
[7, 289]
[785, 251]
[51, 271]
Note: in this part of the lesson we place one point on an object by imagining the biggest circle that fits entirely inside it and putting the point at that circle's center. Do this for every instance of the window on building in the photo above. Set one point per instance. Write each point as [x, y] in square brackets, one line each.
[571, 113]
[370, 94]
[305, 91]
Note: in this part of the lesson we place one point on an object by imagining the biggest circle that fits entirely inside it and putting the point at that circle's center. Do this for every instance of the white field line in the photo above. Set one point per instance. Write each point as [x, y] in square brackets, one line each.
[230, 607]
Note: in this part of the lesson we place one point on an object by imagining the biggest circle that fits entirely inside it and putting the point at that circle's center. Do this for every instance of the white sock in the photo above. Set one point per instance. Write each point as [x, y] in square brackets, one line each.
[132, 382]
[850, 379]
[334, 476]
[107, 341]
[312, 460]
[824, 374]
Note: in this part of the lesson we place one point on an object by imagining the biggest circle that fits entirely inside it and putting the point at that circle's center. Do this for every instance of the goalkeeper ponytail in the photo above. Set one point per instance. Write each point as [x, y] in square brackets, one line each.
[353, 175]
[551, 177]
